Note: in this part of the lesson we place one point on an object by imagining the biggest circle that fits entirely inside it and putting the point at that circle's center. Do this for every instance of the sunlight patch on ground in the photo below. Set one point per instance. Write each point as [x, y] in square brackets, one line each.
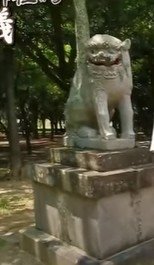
[16, 205]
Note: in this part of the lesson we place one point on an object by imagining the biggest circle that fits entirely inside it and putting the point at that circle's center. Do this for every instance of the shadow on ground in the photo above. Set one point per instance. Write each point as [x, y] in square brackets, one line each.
[10, 254]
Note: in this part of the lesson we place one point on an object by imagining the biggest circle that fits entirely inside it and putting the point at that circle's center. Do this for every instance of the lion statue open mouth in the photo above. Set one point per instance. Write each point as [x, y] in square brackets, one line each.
[105, 51]
[103, 86]
[102, 51]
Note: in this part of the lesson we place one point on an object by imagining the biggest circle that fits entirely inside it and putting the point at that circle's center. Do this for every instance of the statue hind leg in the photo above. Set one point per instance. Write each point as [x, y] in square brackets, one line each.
[78, 124]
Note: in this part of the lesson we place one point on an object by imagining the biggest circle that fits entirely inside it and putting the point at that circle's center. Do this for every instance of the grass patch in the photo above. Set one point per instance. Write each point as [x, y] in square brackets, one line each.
[2, 243]
[4, 205]
[4, 172]
[12, 203]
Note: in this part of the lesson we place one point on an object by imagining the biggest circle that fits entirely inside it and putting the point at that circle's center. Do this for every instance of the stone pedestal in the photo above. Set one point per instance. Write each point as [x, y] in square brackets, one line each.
[100, 144]
[90, 205]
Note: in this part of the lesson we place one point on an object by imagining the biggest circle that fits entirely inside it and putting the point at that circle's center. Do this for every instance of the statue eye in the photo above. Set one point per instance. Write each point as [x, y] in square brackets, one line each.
[92, 51]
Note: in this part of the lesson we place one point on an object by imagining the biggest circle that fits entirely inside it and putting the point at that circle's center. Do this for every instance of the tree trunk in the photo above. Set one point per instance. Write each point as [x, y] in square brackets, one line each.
[15, 154]
[26, 130]
[52, 130]
[82, 31]
[43, 128]
[56, 126]
[28, 143]
[34, 125]
[55, 11]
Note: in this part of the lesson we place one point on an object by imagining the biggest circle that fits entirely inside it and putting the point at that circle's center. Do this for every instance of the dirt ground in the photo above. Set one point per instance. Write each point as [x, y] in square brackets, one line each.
[16, 205]
[16, 212]
[10, 254]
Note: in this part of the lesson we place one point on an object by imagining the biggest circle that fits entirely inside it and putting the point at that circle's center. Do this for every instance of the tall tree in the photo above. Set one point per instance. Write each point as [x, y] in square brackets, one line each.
[40, 35]
[8, 80]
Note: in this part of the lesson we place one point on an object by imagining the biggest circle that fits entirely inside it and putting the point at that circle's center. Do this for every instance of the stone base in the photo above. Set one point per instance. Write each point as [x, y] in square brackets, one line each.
[101, 161]
[101, 144]
[52, 251]
[95, 213]
[89, 206]
[101, 213]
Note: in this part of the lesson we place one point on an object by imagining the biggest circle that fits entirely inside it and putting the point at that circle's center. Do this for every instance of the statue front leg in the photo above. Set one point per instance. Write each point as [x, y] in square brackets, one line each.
[102, 114]
[126, 117]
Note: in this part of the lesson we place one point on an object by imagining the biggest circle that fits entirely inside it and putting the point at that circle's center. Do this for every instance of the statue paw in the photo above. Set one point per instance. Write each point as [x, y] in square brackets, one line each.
[87, 132]
[110, 136]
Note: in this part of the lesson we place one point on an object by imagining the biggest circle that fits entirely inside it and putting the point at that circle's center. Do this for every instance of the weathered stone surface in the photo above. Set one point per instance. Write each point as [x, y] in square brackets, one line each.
[100, 227]
[100, 161]
[70, 218]
[11, 254]
[146, 213]
[93, 184]
[61, 254]
[142, 254]
[52, 251]
[105, 84]
[101, 144]
[35, 242]
[147, 176]
[117, 224]
[99, 212]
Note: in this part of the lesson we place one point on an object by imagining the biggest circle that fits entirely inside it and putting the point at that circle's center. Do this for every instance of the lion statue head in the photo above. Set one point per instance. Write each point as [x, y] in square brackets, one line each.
[108, 54]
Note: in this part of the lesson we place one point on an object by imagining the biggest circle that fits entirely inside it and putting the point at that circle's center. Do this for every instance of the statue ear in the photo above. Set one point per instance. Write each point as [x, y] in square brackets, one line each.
[126, 44]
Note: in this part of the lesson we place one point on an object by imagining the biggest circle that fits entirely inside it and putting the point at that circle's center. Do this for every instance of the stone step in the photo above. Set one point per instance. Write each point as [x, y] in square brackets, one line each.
[51, 250]
[94, 184]
[101, 161]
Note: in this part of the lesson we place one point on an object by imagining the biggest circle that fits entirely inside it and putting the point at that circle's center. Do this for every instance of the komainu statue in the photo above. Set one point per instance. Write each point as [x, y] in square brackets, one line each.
[103, 85]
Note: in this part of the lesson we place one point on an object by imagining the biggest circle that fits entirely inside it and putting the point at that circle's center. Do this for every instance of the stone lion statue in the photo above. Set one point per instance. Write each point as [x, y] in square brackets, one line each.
[103, 85]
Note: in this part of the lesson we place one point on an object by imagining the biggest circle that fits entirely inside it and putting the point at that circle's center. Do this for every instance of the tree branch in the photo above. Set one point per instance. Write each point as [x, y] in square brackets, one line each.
[47, 67]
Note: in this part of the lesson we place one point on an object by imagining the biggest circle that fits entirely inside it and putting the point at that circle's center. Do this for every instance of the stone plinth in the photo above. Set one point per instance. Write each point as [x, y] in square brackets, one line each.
[100, 144]
[52, 251]
[100, 161]
[93, 204]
